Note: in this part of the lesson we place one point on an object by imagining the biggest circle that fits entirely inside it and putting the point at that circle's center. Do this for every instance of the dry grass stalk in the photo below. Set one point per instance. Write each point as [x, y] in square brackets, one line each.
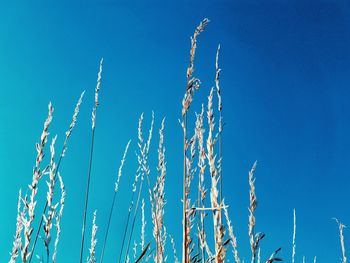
[254, 239]
[72, 124]
[190, 172]
[201, 187]
[341, 236]
[214, 194]
[113, 199]
[233, 239]
[93, 118]
[218, 92]
[159, 200]
[191, 85]
[33, 187]
[50, 193]
[135, 249]
[97, 90]
[121, 167]
[315, 259]
[176, 260]
[134, 185]
[93, 242]
[145, 171]
[17, 242]
[259, 255]
[273, 256]
[143, 225]
[58, 218]
[192, 82]
[63, 151]
[294, 235]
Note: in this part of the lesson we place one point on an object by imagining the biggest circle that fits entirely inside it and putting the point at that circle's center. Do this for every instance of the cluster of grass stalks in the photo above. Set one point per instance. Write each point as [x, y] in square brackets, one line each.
[202, 173]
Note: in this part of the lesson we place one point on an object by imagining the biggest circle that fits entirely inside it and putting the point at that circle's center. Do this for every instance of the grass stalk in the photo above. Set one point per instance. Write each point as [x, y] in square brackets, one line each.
[93, 118]
[62, 154]
[159, 200]
[342, 242]
[145, 171]
[113, 200]
[50, 193]
[192, 84]
[58, 217]
[17, 242]
[33, 187]
[93, 242]
[201, 187]
[218, 92]
[233, 239]
[254, 239]
[294, 235]
[214, 195]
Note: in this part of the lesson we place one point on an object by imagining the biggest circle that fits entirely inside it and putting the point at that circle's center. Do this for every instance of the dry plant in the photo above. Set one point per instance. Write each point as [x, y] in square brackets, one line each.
[191, 85]
[294, 235]
[253, 238]
[93, 242]
[93, 119]
[114, 199]
[58, 217]
[17, 242]
[62, 154]
[159, 230]
[341, 236]
[201, 150]
[28, 218]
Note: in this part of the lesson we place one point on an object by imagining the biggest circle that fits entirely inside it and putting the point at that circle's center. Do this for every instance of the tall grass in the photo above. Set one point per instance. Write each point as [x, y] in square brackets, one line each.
[93, 126]
[202, 158]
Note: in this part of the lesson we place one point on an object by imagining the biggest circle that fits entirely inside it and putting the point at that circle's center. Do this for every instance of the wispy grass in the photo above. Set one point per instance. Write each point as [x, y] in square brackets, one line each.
[212, 243]
[114, 199]
[341, 236]
[93, 118]
[62, 154]
[191, 85]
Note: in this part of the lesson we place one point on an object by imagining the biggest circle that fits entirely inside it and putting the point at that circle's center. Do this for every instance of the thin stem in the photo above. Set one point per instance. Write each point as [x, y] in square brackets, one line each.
[44, 212]
[294, 235]
[126, 226]
[134, 219]
[93, 119]
[108, 224]
[113, 201]
[87, 195]
[63, 150]
[184, 242]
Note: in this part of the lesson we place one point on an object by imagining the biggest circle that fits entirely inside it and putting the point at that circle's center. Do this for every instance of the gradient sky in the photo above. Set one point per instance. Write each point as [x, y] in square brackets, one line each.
[285, 85]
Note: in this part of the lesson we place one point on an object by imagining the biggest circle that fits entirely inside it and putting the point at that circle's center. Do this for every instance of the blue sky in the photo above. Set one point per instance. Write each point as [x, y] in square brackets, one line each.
[285, 77]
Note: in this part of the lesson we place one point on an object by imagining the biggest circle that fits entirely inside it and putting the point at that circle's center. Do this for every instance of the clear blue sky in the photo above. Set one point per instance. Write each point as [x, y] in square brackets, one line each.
[285, 84]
